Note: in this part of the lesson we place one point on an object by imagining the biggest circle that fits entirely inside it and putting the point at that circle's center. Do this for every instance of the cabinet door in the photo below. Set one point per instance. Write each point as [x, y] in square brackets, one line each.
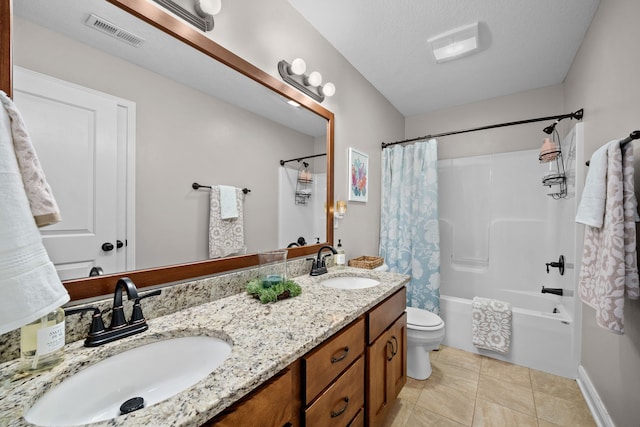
[397, 369]
[386, 371]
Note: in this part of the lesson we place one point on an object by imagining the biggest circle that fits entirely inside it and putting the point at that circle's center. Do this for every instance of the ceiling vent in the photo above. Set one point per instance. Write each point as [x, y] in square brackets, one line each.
[113, 30]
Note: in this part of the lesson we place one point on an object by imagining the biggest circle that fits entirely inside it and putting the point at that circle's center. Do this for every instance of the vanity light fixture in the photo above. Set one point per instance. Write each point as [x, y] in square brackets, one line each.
[339, 211]
[205, 11]
[455, 43]
[311, 85]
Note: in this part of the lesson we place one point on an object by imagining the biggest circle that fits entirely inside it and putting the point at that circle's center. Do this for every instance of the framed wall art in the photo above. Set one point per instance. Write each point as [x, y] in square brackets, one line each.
[358, 176]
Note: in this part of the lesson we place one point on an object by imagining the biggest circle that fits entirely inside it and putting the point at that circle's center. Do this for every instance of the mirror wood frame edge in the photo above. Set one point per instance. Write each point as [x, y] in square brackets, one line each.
[103, 285]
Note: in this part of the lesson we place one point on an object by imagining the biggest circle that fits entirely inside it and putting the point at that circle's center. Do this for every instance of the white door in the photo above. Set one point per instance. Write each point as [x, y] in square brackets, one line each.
[76, 134]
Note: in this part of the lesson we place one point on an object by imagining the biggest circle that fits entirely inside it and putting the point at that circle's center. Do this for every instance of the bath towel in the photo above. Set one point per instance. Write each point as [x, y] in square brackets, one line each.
[41, 201]
[609, 270]
[29, 283]
[591, 208]
[491, 324]
[226, 236]
[228, 203]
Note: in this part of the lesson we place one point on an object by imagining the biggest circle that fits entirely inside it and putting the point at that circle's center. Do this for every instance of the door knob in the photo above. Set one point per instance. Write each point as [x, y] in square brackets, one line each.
[107, 246]
[119, 244]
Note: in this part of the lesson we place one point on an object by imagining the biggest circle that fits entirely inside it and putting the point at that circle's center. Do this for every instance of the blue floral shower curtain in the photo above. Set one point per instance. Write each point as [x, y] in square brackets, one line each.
[409, 230]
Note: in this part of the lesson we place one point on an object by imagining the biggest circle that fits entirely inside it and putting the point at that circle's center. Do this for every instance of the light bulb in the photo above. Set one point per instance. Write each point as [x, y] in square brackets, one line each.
[314, 79]
[329, 89]
[298, 67]
[209, 7]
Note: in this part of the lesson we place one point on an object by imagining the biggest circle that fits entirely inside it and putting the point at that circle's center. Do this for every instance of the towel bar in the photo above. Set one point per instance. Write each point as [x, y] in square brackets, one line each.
[196, 186]
[633, 135]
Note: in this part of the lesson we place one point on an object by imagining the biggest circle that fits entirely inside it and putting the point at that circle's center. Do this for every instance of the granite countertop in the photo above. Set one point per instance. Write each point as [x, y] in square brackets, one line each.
[266, 338]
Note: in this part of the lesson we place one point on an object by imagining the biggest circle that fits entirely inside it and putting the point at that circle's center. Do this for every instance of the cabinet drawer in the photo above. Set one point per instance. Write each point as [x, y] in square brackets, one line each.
[339, 404]
[324, 363]
[358, 420]
[269, 406]
[380, 317]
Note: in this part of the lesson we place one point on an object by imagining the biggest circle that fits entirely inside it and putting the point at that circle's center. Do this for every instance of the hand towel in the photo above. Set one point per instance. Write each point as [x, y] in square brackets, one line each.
[491, 324]
[29, 283]
[43, 205]
[609, 268]
[228, 203]
[226, 237]
[591, 208]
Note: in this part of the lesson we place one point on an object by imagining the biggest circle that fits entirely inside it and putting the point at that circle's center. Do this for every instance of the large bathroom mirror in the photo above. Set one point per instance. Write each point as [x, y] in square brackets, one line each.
[200, 114]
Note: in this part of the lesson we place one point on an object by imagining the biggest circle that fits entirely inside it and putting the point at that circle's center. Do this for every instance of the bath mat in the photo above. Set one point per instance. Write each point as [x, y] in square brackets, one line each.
[491, 324]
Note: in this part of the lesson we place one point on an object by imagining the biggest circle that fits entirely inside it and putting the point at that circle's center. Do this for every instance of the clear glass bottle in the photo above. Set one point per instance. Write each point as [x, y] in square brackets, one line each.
[42, 342]
[341, 260]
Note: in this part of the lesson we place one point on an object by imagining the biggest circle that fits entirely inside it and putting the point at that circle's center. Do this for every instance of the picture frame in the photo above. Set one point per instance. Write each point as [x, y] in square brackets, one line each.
[358, 176]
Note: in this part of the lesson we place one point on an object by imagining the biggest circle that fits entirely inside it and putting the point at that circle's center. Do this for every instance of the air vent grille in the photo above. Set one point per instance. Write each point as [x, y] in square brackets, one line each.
[113, 30]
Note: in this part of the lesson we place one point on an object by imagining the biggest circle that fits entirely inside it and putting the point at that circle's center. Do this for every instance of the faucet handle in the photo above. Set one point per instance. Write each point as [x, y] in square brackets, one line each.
[97, 325]
[136, 314]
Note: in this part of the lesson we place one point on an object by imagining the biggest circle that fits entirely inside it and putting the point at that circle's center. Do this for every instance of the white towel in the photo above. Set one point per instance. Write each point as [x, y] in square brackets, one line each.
[226, 236]
[29, 284]
[591, 209]
[43, 205]
[228, 202]
[491, 324]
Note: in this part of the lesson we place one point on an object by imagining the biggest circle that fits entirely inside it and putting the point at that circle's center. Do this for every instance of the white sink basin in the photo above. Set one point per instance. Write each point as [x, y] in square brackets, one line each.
[350, 282]
[154, 372]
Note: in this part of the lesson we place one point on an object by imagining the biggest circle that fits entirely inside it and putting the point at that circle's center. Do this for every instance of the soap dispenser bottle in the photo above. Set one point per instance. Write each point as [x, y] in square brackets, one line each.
[340, 257]
[42, 342]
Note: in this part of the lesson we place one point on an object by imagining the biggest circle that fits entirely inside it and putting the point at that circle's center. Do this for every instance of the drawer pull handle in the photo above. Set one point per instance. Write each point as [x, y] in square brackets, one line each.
[344, 354]
[395, 349]
[341, 411]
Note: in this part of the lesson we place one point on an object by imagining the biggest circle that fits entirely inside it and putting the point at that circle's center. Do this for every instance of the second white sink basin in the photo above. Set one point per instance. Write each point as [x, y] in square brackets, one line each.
[153, 372]
[350, 282]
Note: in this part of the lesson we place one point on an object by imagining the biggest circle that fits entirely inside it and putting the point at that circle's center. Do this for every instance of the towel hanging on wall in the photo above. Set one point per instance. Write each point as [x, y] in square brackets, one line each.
[28, 280]
[609, 270]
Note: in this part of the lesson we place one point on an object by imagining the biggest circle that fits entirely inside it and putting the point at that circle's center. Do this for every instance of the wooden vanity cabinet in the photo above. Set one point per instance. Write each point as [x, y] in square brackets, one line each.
[386, 356]
[350, 380]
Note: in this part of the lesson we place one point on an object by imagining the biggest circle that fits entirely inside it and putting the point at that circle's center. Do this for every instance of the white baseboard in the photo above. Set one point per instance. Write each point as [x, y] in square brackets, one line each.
[598, 410]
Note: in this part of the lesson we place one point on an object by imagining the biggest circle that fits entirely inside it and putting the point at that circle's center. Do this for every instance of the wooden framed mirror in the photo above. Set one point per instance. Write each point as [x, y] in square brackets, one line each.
[194, 39]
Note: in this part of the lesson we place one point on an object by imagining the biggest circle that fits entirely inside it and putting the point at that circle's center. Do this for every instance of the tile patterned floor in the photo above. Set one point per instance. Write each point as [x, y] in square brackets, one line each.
[470, 390]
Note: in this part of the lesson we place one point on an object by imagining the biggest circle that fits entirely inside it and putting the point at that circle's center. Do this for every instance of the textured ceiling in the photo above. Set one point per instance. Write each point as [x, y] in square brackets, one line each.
[524, 44]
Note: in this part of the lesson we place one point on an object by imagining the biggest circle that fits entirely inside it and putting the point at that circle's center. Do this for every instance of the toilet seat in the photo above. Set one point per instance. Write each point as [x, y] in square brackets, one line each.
[423, 320]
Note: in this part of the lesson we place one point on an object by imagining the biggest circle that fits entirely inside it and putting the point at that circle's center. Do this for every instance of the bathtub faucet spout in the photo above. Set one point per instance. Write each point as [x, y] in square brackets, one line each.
[555, 291]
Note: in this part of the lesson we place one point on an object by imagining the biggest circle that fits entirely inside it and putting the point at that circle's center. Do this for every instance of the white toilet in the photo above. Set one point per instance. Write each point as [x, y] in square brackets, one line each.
[425, 332]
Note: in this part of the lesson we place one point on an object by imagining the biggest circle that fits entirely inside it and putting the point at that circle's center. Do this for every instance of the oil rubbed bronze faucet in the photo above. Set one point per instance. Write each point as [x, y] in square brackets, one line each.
[319, 265]
[119, 327]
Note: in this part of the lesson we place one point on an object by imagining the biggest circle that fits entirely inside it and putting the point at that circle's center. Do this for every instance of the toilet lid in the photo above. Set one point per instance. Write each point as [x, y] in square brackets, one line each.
[422, 318]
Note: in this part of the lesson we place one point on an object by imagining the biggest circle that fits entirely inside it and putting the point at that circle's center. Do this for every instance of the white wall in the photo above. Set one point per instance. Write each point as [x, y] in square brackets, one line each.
[604, 80]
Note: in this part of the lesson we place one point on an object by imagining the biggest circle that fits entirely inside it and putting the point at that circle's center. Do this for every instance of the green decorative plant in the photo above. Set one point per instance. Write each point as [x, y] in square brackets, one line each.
[274, 293]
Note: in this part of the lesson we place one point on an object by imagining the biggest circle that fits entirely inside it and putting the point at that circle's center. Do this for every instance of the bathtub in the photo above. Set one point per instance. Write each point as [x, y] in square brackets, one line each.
[542, 335]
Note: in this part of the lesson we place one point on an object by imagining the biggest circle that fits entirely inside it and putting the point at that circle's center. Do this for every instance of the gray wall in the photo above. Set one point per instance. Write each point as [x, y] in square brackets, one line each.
[604, 79]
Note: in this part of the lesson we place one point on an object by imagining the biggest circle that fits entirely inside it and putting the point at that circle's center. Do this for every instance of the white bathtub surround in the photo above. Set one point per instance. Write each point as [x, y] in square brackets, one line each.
[609, 270]
[517, 229]
[491, 324]
[409, 228]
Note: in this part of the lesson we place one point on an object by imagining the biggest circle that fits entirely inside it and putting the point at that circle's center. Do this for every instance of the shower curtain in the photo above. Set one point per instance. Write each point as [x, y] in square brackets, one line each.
[409, 231]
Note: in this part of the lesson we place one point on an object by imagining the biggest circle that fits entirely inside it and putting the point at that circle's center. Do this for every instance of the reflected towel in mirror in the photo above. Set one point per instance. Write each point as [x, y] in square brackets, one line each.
[226, 236]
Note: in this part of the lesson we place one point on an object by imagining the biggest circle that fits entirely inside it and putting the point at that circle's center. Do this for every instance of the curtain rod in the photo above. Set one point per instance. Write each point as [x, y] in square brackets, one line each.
[576, 115]
[299, 159]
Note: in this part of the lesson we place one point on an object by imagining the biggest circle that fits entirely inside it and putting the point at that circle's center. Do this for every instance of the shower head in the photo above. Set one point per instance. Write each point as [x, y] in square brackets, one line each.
[549, 129]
